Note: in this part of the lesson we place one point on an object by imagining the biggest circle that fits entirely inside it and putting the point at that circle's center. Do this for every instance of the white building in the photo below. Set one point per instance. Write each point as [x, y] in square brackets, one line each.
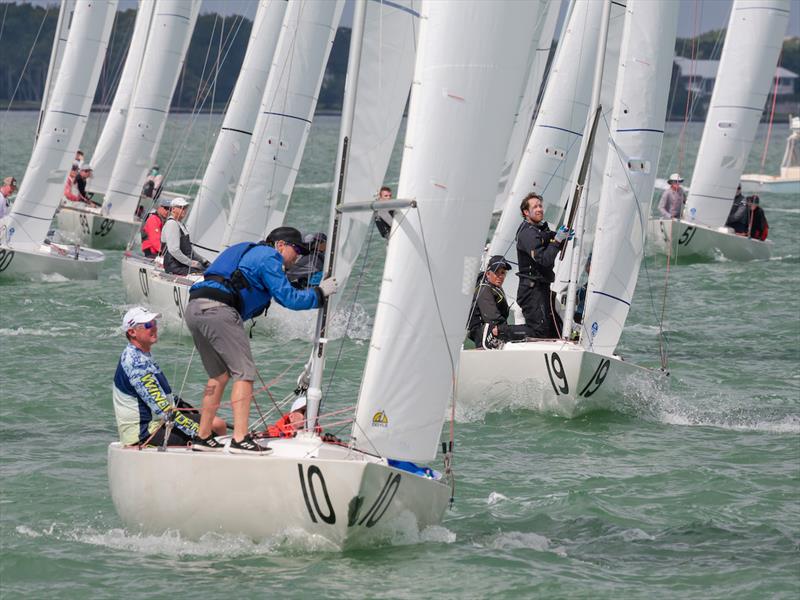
[698, 77]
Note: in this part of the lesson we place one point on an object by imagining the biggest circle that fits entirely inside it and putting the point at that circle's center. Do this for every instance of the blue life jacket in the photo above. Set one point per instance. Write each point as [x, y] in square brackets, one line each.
[224, 275]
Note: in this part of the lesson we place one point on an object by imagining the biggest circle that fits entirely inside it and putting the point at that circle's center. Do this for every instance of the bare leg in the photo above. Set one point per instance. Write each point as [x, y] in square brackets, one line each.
[240, 402]
[219, 427]
[211, 399]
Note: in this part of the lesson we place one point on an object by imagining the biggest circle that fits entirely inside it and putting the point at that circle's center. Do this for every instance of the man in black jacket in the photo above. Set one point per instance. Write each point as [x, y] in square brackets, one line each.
[537, 248]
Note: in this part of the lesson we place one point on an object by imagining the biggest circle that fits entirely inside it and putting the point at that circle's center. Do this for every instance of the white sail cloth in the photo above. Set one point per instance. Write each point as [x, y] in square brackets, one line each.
[470, 70]
[384, 82]
[167, 43]
[105, 153]
[281, 130]
[747, 65]
[209, 214]
[56, 54]
[634, 147]
[542, 40]
[63, 125]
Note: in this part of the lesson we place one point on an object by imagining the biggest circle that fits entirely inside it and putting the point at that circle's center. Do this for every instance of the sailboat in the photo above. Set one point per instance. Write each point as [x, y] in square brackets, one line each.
[788, 182]
[749, 56]
[155, 68]
[25, 248]
[582, 371]
[471, 63]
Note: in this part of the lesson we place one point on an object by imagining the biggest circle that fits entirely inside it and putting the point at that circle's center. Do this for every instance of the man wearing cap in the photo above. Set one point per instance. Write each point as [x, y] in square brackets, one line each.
[152, 224]
[85, 171]
[179, 256]
[307, 270]
[384, 218]
[143, 399]
[738, 216]
[239, 285]
[489, 315]
[672, 200]
[9, 187]
[537, 248]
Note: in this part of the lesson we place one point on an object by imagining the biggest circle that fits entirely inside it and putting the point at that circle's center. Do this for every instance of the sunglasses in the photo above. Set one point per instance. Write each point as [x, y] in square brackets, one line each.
[148, 325]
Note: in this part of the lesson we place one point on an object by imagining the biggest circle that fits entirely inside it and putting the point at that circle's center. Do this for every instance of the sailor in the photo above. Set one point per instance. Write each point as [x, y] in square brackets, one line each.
[758, 228]
[537, 248]
[739, 215]
[9, 187]
[384, 218]
[151, 228]
[488, 323]
[77, 161]
[239, 285]
[673, 198]
[152, 185]
[143, 398]
[179, 256]
[307, 271]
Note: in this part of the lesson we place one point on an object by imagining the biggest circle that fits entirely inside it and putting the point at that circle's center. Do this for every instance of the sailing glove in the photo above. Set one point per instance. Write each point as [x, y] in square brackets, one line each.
[328, 286]
[564, 234]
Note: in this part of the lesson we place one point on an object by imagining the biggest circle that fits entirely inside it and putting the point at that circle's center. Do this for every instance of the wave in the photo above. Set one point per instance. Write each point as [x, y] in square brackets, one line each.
[791, 211]
[789, 424]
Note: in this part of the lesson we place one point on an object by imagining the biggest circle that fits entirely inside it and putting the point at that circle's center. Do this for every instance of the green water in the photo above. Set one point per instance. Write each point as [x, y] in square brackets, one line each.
[689, 493]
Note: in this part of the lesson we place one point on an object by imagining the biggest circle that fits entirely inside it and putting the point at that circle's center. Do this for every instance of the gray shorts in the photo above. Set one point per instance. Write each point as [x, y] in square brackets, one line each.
[220, 339]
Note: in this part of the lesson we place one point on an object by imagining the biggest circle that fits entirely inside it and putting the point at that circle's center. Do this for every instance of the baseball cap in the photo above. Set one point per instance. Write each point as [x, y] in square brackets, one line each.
[315, 238]
[86, 167]
[675, 177]
[136, 316]
[9, 181]
[290, 235]
[165, 202]
[179, 203]
[497, 262]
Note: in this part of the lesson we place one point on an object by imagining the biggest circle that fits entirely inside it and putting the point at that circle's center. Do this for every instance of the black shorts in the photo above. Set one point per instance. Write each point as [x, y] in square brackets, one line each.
[176, 436]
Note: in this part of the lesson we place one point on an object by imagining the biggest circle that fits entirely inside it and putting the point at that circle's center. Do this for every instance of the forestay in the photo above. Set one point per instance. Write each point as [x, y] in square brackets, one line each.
[634, 148]
[542, 40]
[384, 81]
[63, 125]
[752, 44]
[469, 73]
[206, 221]
[167, 43]
[105, 154]
[281, 130]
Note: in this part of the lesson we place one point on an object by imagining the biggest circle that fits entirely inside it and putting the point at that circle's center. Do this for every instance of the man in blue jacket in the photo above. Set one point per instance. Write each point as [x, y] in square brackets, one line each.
[239, 285]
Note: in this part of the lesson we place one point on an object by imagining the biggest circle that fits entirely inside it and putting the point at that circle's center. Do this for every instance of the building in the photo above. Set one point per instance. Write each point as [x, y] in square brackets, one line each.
[698, 77]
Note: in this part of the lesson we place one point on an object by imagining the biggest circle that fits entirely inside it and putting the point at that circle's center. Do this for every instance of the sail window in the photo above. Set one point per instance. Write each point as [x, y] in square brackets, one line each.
[557, 153]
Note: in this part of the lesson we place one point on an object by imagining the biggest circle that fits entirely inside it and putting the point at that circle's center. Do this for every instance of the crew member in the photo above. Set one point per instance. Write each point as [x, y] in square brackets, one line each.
[9, 187]
[308, 268]
[673, 198]
[179, 256]
[151, 228]
[537, 248]
[239, 285]
[384, 218]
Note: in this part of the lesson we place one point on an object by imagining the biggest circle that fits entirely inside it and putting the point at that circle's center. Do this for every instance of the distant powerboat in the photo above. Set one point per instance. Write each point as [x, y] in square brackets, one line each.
[788, 182]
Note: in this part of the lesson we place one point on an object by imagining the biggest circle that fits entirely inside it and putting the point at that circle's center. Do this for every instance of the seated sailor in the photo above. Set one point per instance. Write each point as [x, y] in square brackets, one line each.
[488, 325]
[143, 398]
[307, 270]
[176, 247]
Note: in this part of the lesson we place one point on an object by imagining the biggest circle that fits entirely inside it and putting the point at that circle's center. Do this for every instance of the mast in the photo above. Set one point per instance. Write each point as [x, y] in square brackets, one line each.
[56, 54]
[586, 150]
[314, 395]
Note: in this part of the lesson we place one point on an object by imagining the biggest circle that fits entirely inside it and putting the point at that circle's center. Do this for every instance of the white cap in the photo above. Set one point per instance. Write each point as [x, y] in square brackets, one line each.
[137, 316]
[179, 202]
[85, 167]
[675, 177]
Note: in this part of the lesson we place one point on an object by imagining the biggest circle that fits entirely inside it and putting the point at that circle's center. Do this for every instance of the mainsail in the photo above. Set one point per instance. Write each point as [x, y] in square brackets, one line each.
[167, 43]
[752, 44]
[470, 70]
[105, 153]
[207, 220]
[63, 124]
[634, 147]
[281, 130]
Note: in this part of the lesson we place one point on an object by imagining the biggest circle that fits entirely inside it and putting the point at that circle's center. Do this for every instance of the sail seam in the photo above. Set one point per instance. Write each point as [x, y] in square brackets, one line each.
[277, 114]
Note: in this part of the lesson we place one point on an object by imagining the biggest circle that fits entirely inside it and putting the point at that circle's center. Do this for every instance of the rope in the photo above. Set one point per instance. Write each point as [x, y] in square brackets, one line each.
[771, 115]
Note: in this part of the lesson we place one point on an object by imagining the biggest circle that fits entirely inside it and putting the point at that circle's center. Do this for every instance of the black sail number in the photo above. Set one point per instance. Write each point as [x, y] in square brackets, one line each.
[312, 476]
[176, 295]
[555, 370]
[6, 256]
[382, 502]
[105, 227]
[597, 378]
[687, 236]
[143, 282]
[85, 224]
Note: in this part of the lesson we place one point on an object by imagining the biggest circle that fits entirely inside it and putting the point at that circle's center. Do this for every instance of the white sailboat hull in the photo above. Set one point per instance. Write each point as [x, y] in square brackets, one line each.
[162, 292]
[323, 490]
[50, 259]
[552, 377]
[682, 240]
[772, 184]
[89, 227]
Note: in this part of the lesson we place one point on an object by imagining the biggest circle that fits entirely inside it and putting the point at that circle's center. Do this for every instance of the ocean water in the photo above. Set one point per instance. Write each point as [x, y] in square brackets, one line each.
[693, 492]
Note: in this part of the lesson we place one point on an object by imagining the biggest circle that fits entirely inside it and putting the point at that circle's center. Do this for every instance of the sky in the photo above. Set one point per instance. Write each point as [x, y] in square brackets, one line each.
[708, 14]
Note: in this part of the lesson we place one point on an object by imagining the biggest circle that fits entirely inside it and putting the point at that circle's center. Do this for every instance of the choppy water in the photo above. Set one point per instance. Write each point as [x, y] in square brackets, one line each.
[694, 492]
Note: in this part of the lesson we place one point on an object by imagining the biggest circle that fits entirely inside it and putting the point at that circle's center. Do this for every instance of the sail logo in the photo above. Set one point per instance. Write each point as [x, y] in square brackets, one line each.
[595, 328]
[379, 419]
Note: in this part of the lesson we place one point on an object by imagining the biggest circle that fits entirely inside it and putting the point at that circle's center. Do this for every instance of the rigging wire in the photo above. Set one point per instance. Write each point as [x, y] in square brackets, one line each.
[771, 115]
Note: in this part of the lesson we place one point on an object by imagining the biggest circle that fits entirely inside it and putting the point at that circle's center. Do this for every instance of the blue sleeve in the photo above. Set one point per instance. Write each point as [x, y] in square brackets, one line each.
[269, 272]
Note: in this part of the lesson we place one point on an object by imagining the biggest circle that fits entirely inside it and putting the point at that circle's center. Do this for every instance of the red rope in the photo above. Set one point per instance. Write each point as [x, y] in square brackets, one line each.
[771, 115]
